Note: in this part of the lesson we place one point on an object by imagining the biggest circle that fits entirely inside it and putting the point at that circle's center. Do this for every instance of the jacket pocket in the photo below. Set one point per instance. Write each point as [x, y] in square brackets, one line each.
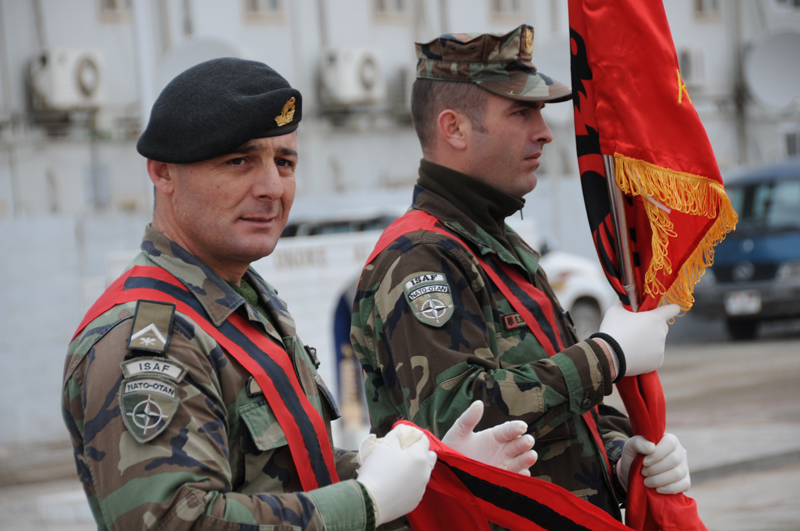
[564, 431]
[264, 429]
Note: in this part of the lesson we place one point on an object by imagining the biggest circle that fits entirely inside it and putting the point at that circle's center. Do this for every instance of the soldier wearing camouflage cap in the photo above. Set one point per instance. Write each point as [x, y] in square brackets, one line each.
[453, 307]
[190, 400]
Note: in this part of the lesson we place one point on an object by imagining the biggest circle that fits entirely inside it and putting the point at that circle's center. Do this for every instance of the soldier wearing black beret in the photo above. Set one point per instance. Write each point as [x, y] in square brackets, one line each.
[189, 398]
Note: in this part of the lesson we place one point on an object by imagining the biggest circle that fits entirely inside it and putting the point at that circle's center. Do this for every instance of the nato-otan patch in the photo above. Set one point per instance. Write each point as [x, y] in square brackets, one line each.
[430, 297]
[147, 405]
[152, 326]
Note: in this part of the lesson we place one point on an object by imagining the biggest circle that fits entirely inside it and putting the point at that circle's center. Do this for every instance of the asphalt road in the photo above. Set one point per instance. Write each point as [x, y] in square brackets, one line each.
[734, 406]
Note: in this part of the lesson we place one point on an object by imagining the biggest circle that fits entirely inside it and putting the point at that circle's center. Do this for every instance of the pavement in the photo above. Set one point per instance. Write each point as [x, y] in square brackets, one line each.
[734, 406]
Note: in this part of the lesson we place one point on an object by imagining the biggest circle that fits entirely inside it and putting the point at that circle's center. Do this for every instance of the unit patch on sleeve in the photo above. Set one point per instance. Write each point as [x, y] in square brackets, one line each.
[152, 326]
[167, 368]
[430, 298]
[147, 405]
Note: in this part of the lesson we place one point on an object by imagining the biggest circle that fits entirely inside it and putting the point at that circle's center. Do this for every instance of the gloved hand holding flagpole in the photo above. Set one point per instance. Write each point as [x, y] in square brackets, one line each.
[655, 202]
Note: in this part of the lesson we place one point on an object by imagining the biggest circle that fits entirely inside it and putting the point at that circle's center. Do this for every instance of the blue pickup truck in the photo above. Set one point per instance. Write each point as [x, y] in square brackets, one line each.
[756, 271]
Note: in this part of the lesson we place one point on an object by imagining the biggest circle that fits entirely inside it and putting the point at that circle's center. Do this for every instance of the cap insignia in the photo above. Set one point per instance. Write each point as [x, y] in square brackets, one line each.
[529, 42]
[287, 114]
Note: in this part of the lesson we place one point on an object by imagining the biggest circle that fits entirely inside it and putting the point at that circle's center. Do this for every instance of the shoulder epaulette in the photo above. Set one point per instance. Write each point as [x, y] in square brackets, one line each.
[152, 326]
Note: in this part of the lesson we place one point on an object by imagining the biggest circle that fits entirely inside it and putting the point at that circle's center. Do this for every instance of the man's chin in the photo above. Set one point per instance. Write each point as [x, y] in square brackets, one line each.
[256, 250]
[526, 186]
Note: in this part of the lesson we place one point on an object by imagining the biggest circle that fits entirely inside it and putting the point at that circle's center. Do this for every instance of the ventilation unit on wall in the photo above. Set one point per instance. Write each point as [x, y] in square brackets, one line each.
[64, 79]
[400, 94]
[351, 77]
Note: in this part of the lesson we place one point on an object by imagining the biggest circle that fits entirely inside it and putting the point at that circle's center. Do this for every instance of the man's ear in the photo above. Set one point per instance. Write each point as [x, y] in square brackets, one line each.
[159, 173]
[454, 128]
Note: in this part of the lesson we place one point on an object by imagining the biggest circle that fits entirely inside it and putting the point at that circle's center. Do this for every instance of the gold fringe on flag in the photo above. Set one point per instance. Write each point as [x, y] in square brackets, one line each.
[663, 190]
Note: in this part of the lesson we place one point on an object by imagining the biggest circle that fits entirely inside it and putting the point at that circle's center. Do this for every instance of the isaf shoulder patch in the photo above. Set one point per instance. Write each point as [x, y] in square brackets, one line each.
[164, 367]
[152, 326]
[430, 297]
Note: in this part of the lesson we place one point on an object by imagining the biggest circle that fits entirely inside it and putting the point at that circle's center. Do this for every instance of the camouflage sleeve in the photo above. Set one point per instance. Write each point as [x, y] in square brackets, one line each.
[429, 371]
[615, 428]
[190, 474]
[346, 463]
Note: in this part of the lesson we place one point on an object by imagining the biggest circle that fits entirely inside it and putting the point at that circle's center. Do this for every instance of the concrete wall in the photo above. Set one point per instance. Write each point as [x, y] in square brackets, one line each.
[51, 269]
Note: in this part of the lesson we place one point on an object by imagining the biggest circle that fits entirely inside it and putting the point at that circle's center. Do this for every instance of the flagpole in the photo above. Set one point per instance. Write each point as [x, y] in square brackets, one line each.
[618, 210]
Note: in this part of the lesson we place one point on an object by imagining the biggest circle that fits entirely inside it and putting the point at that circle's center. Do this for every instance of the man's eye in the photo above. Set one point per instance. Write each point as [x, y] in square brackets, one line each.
[238, 161]
[284, 163]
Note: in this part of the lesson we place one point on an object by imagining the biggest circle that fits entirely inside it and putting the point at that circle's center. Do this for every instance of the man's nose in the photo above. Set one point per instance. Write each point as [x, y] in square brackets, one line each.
[268, 183]
[542, 132]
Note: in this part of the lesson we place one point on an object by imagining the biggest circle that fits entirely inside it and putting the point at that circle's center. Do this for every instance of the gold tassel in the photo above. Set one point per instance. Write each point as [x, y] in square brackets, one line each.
[686, 193]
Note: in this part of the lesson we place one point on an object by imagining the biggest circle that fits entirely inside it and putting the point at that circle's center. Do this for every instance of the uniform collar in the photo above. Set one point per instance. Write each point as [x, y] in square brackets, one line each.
[487, 206]
[217, 298]
[469, 207]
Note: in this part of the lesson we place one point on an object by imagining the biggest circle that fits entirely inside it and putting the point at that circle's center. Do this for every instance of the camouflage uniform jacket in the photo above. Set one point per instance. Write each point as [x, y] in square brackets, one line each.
[222, 462]
[429, 371]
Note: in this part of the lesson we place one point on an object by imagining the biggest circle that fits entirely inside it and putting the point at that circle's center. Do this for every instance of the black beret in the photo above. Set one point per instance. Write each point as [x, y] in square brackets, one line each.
[215, 107]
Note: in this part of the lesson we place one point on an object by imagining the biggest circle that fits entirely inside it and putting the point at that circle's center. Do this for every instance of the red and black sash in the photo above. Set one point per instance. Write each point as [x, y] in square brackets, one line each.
[466, 495]
[535, 308]
[266, 361]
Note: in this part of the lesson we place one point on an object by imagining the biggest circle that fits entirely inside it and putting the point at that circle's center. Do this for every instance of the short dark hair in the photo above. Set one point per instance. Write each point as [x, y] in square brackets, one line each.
[429, 97]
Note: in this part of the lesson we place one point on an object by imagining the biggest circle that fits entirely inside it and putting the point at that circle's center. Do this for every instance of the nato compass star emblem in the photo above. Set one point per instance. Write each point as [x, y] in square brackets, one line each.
[147, 414]
[433, 309]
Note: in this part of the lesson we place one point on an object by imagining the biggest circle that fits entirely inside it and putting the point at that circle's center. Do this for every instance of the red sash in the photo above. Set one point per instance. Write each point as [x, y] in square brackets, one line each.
[511, 284]
[464, 494]
[266, 361]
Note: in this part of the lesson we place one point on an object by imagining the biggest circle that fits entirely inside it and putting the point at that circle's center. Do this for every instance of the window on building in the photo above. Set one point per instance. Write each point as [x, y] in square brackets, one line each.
[263, 10]
[506, 10]
[707, 9]
[788, 4]
[115, 10]
[691, 63]
[792, 144]
[391, 10]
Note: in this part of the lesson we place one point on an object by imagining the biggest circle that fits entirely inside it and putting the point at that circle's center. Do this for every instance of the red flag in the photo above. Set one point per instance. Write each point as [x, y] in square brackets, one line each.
[632, 106]
[466, 495]
[653, 193]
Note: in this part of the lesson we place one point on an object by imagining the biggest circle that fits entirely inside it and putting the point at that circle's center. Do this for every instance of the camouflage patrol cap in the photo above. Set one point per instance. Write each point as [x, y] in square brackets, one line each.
[498, 63]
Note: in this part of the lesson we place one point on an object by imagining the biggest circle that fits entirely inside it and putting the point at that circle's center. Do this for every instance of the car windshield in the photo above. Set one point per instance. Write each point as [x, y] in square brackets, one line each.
[770, 205]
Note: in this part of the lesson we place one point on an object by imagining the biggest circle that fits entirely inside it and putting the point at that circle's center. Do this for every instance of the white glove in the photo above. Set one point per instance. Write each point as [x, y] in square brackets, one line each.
[640, 335]
[505, 446]
[665, 468]
[396, 470]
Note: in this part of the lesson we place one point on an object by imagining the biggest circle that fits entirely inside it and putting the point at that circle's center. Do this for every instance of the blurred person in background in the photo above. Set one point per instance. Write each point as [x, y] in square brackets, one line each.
[434, 328]
[189, 398]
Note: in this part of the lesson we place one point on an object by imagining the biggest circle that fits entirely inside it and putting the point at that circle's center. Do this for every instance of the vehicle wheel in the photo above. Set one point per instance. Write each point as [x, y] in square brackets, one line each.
[586, 316]
[742, 329]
